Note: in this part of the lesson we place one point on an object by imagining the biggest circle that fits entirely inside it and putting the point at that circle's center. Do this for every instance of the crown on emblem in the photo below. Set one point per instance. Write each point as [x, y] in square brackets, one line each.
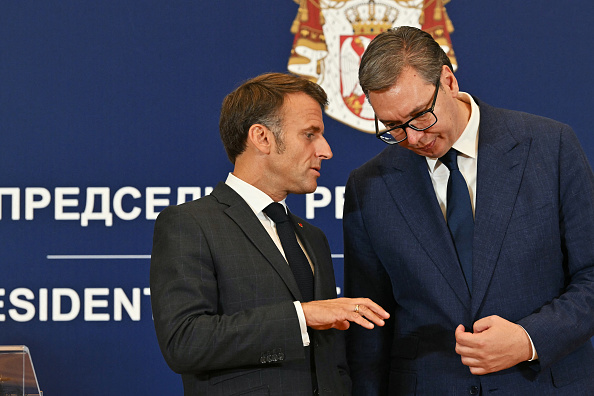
[364, 20]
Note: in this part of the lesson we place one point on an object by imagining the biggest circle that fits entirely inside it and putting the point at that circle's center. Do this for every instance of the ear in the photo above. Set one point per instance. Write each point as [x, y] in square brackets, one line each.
[261, 138]
[449, 81]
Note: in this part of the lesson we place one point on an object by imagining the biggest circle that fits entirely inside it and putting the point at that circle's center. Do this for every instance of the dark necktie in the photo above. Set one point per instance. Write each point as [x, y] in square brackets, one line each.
[293, 252]
[459, 214]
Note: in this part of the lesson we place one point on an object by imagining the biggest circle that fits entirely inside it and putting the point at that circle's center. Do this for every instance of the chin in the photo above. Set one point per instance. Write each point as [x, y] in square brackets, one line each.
[307, 189]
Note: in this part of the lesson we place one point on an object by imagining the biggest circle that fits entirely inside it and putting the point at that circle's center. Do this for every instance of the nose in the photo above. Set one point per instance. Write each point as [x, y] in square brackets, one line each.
[323, 150]
[413, 136]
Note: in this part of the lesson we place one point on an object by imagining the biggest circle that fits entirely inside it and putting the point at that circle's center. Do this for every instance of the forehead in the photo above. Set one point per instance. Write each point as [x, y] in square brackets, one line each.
[299, 109]
[409, 95]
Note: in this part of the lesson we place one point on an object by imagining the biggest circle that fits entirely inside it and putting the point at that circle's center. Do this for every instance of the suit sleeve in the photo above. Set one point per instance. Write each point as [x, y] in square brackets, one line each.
[567, 322]
[368, 351]
[194, 335]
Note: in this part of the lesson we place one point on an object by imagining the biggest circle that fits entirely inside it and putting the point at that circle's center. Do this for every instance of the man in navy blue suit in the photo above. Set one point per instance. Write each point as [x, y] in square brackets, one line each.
[510, 309]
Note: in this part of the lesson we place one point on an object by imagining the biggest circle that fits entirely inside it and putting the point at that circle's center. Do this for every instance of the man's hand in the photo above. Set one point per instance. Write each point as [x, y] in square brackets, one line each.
[339, 312]
[495, 345]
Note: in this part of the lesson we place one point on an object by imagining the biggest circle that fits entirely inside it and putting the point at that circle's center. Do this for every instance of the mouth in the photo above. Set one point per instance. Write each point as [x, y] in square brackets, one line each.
[316, 169]
[428, 146]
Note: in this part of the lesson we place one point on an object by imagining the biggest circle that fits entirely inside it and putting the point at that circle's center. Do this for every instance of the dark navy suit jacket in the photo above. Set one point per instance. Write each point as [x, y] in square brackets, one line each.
[533, 264]
[222, 297]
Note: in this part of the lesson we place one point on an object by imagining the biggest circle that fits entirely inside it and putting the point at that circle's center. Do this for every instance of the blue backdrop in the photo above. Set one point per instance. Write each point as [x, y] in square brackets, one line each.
[107, 108]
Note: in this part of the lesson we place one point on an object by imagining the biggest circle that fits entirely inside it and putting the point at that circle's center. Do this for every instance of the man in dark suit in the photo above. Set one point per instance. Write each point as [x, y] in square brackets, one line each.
[484, 255]
[232, 315]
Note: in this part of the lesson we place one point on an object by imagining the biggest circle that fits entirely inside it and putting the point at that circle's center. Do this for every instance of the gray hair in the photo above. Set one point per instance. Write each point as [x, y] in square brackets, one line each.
[396, 49]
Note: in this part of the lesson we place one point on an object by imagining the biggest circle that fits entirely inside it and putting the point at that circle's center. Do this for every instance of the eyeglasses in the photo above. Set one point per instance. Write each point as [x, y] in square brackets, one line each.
[422, 121]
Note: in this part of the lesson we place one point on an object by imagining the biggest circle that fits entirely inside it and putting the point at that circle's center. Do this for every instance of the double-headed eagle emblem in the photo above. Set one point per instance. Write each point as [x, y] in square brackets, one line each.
[331, 36]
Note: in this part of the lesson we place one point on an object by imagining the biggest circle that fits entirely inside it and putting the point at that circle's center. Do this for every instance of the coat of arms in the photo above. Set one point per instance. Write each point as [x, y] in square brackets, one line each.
[331, 36]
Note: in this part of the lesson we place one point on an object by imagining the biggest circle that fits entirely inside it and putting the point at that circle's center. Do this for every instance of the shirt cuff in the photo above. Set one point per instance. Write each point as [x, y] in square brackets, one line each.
[534, 354]
[302, 323]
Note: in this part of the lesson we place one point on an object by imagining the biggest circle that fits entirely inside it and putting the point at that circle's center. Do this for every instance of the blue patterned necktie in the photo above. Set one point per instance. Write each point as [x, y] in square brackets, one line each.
[459, 214]
[293, 252]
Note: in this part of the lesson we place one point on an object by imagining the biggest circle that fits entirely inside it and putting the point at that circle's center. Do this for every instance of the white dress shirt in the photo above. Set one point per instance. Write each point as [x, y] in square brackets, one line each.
[258, 201]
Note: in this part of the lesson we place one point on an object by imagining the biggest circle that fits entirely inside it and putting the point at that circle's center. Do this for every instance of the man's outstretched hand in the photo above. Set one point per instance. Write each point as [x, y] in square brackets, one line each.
[339, 312]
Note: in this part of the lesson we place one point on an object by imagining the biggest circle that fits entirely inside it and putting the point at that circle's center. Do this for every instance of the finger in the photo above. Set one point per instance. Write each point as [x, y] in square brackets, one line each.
[460, 334]
[478, 371]
[466, 351]
[475, 368]
[470, 362]
[342, 325]
[364, 302]
[360, 320]
[370, 315]
[465, 339]
[372, 306]
[482, 324]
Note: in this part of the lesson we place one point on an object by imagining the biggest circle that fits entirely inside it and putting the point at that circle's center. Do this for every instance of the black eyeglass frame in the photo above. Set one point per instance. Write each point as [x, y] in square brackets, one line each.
[407, 123]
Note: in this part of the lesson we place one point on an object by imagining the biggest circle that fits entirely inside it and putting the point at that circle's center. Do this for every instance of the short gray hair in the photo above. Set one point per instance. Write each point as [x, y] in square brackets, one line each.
[396, 49]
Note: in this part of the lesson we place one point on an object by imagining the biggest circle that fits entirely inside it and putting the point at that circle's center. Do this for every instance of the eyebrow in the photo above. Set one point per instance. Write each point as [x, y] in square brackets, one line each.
[420, 109]
[313, 128]
[412, 113]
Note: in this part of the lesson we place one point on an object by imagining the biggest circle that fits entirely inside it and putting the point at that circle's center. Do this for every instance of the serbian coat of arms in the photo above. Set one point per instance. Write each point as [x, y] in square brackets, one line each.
[331, 36]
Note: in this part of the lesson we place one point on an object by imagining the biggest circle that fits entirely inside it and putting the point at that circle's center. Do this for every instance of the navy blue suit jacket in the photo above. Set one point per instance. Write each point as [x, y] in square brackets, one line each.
[533, 263]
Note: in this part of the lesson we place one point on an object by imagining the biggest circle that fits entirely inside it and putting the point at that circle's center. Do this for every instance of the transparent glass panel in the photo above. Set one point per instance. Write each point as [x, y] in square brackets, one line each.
[17, 375]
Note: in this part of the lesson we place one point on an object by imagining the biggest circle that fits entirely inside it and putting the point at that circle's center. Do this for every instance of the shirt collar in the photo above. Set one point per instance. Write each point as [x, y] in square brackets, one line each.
[467, 143]
[255, 198]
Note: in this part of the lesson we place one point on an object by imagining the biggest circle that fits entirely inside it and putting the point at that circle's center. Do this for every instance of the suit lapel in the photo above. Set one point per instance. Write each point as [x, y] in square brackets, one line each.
[240, 212]
[501, 163]
[305, 238]
[409, 184]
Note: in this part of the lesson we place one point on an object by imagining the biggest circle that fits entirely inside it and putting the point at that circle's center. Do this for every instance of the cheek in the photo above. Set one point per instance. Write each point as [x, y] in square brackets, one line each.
[302, 157]
[446, 128]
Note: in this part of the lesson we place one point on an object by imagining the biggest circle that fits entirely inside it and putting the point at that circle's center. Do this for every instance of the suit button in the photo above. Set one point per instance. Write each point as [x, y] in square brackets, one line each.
[474, 390]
